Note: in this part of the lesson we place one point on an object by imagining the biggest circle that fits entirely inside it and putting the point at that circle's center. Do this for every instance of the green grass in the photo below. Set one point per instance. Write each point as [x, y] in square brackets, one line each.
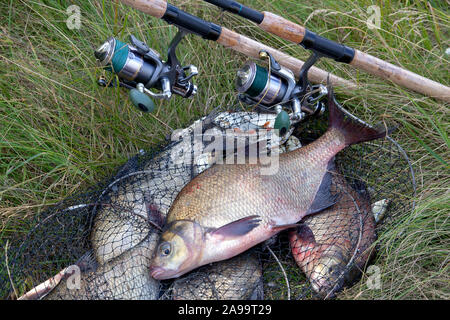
[60, 132]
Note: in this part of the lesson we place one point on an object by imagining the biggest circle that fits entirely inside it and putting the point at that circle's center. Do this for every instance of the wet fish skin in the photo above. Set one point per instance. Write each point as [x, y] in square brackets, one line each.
[228, 209]
[116, 226]
[237, 278]
[324, 244]
[122, 278]
[114, 229]
[120, 224]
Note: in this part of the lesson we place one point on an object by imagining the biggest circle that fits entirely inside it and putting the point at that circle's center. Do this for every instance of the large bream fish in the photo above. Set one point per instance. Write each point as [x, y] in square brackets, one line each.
[125, 277]
[331, 247]
[123, 236]
[228, 209]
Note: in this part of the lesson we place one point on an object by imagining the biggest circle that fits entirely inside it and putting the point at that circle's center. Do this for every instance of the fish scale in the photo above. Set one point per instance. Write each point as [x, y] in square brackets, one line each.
[325, 243]
[228, 186]
[228, 209]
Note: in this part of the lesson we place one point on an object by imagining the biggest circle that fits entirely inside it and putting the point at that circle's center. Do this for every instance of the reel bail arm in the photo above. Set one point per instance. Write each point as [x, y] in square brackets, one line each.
[298, 34]
[311, 95]
[140, 68]
[277, 89]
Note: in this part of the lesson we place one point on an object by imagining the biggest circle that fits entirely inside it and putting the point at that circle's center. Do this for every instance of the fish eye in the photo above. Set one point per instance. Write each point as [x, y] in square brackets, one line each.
[165, 248]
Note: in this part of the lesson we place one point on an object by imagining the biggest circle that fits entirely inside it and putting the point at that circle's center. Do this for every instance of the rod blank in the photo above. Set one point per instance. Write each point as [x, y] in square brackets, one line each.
[251, 48]
[293, 32]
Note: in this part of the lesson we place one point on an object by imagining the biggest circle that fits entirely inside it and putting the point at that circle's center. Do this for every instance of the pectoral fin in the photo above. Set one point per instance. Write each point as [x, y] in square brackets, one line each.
[236, 228]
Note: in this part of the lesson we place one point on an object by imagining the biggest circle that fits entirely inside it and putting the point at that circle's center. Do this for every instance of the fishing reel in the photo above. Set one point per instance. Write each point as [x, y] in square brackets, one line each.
[140, 68]
[277, 90]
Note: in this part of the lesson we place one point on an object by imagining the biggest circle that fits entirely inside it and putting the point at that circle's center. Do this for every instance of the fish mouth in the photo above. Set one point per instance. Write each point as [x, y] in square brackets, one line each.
[157, 273]
[160, 273]
[328, 278]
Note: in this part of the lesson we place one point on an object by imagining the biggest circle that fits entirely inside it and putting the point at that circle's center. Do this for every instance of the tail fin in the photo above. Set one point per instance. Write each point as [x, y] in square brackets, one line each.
[354, 130]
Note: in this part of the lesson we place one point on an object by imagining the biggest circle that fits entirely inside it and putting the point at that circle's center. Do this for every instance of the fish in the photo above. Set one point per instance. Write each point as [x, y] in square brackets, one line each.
[230, 208]
[238, 278]
[130, 211]
[123, 278]
[149, 191]
[333, 246]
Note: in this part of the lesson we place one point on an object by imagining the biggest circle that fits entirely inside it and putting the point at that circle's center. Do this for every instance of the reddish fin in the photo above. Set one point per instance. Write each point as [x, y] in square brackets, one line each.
[154, 215]
[305, 233]
[353, 130]
[303, 244]
[236, 228]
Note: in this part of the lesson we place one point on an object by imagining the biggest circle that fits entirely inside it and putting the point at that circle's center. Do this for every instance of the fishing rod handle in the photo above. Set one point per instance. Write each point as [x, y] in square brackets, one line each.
[295, 33]
[277, 25]
[400, 76]
[252, 48]
[233, 40]
[267, 21]
[288, 30]
[172, 15]
[155, 8]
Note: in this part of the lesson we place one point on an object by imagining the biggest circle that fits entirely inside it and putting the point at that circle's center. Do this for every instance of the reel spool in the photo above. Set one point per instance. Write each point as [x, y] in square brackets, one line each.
[141, 68]
[277, 89]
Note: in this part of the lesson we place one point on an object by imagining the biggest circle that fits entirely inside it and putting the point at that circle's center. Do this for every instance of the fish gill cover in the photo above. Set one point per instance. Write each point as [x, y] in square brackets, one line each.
[98, 244]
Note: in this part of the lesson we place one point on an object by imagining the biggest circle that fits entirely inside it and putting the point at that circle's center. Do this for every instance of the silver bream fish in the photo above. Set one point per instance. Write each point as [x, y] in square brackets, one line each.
[228, 209]
[123, 236]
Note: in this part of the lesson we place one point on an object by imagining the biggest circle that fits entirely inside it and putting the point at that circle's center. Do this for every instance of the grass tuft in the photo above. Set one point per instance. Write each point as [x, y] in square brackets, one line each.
[60, 132]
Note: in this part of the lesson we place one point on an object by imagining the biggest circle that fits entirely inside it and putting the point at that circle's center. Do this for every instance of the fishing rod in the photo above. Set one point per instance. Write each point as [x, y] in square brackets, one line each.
[140, 68]
[298, 34]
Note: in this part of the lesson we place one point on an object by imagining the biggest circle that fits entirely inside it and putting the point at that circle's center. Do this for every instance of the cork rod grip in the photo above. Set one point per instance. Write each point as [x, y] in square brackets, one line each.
[400, 76]
[282, 27]
[251, 48]
[247, 46]
[155, 8]
[295, 33]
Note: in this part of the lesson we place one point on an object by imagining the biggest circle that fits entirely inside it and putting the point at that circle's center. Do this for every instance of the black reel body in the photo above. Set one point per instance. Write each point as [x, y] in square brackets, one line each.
[141, 68]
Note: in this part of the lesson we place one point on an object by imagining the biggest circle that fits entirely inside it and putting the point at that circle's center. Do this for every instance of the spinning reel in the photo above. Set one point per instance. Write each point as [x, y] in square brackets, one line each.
[141, 68]
[276, 90]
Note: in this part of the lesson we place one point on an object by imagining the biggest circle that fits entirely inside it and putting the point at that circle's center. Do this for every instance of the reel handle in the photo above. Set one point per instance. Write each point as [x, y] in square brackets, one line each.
[140, 68]
[141, 101]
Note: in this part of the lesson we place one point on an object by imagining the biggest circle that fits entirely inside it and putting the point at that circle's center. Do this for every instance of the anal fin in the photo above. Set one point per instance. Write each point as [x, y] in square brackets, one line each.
[324, 199]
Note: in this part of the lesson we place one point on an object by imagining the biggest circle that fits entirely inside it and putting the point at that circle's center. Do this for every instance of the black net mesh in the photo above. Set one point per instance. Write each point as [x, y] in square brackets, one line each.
[99, 244]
